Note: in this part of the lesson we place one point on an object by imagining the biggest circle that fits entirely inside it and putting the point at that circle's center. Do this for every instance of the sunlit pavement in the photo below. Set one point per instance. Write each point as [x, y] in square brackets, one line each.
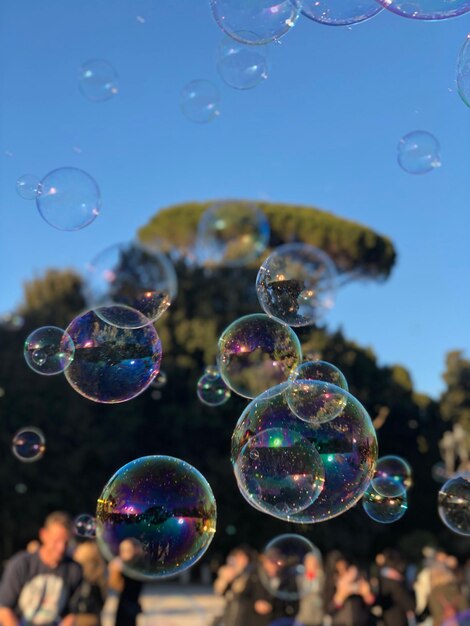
[172, 605]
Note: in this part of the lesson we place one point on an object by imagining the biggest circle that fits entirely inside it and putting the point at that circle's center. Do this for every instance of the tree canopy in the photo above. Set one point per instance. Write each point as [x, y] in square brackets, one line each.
[357, 250]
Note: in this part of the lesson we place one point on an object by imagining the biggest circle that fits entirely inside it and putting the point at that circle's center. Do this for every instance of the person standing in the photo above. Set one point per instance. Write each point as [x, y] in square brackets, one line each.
[396, 601]
[37, 588]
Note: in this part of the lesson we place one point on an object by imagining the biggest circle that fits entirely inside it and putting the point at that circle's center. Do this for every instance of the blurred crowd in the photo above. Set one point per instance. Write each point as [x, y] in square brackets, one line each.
[338, 591]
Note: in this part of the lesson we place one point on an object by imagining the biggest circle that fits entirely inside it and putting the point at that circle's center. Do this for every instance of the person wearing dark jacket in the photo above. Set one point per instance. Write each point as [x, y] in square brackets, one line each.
[396, 601]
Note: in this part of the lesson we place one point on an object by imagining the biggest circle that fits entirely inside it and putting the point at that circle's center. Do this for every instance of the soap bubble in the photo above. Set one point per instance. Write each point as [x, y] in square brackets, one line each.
[347, 446]
[280, 471]
[320, 370]
[339, 12]
[69, 199]
[29, 444]
[463, 72]
[393, 476]
[112, 364]
[200, 101]
[159, 514]
[384, 510]
[212, 390]
[315, 401]
[255, 353]
[296, 284]
[454, 504]
[256, 22]
[132, 275]
[84, 525]
[242, 66]
[232, 234]
[427, 9]
[160, 380]
[98, 80]
[49, 350]
[28, 186]
[284, 562]
[419, 152]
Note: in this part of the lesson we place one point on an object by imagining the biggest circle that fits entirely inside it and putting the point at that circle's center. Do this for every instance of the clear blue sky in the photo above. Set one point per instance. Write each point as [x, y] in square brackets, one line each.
[322, 130]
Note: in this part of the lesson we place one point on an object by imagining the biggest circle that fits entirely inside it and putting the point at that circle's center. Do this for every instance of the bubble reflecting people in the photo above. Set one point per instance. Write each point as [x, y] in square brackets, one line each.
[131, 275]
[165, 508]
[242, 66]
[84, 526]
[28, 186]
[29, 444]
[384, 510]
[255, 353]
[98, 80]
[279, 471]
[463, 72]
[347, 446]
[296, 284]
[454, 504]
[427, 9]
[256, 22]
[211, 389]
[419, 152]
[231, 234]
[340, 13]
[393, 476]
[283, 562]
[112, 364]
[69, 199]
[200, 101]
[49, 350]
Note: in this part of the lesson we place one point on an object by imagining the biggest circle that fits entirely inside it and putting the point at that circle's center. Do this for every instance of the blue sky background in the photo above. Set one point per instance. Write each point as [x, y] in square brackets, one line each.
[322, 130]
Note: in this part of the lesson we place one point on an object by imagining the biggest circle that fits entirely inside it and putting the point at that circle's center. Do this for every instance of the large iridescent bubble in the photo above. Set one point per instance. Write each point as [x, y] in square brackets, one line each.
[427, 9]
[347, 446]
[463, 72]
[231, 234]
[132, 275]
[296, 284]
[279, 471]
[112, 364]
[68, 198]
[340, 12]
[257, 22]
[454, 504]
[255, 353]
[159, 514]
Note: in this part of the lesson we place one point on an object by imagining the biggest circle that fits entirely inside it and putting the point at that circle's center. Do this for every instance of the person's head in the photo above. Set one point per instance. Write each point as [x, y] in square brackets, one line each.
[55, 536]
[394, 560]
[89, 557]
[312, 563]
[130, 550]
[271, 562]
[240, 558]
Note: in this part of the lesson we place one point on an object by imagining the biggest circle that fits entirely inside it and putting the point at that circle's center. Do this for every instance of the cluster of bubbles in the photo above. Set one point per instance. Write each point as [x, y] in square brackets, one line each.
[158, 514]
[28, 444]
[211, 389]
[67, 198]
[386, 500]
[454, 503]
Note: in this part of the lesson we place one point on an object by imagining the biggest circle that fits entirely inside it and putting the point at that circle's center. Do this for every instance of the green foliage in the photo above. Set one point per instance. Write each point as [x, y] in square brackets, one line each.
[357, 250]
[455, 401]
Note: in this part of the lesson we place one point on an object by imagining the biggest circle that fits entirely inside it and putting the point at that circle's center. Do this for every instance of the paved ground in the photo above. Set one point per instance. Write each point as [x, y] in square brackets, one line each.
[172, 605]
